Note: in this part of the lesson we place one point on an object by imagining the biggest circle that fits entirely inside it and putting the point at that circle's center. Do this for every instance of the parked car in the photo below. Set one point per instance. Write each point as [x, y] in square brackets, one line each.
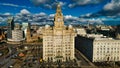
[10, 66]
[1, 54]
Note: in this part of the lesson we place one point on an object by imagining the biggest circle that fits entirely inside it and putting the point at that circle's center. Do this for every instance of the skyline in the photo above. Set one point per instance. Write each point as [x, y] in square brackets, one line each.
[59, 40]
[104, 10]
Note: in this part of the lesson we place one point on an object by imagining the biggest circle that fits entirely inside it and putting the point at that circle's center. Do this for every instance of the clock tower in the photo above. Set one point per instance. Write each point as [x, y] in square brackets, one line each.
[58, 41]
[58, 20]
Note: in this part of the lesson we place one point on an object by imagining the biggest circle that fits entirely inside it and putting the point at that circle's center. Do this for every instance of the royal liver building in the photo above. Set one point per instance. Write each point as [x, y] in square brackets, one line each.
[58, 41]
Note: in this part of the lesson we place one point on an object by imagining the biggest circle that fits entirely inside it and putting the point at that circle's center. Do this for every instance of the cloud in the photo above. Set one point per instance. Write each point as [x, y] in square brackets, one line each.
[110, 10]
[48, 4]
[7, 14]
[54, 4]
[75, 3]
[86, 15]
[1, 19]
[114, 5]
[38, 2]
[51, 4]
[13, 5]
[52, 15]
[69, 17]
[93, 20]
[24, 11]
[42, 18]
[62, 3]
[42, 14]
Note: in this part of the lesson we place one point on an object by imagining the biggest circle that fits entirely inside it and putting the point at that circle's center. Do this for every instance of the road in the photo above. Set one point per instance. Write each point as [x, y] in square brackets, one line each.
[7, 60]
[34, 54]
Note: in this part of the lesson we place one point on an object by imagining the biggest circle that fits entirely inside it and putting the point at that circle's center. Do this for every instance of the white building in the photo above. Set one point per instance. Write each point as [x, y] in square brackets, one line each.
[17, 35]
[24, 27]
[58, 41]
[106, 49]
[99, 49]
[81, 31]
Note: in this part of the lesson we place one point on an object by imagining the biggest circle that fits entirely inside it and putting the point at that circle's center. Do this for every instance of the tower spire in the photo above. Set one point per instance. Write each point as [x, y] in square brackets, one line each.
[58, 8]
[58, 22]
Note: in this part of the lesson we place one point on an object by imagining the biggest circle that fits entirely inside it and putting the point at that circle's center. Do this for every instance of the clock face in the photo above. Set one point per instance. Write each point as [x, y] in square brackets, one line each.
[58, 19]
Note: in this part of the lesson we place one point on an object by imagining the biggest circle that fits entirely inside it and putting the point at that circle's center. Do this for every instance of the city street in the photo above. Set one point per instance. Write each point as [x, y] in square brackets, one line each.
[33, 58]
[34, 55]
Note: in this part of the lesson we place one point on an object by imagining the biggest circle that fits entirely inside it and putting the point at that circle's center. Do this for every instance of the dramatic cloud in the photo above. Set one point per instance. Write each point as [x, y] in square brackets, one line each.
[49, 4]
[24, 11]
[110, 10]
[42, 19]
[13, 5]
[99, 21]
[113, 5]
[69, 19]
[75, 3]
[91, 20]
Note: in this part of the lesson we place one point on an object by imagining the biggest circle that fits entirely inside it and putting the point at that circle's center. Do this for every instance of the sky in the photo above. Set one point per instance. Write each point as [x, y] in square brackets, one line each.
[69, 7]
[105, 9]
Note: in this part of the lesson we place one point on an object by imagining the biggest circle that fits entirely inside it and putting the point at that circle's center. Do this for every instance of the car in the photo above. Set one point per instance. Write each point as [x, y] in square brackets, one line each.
[10, 66]
[1, 54]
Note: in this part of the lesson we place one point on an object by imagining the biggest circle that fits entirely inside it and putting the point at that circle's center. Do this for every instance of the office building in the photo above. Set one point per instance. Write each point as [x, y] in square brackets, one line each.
[17, 34]
[10, 27]
[58, 41]
[99, 48]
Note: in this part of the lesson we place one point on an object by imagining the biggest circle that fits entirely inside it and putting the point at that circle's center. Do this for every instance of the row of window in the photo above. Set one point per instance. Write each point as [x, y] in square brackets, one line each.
[106, 58]
[51, 58]
[107, 48]
[63, 42]
[104, 54]
[58, 48]
[108, 52]
[51, 51]
[49, 45]
[116, 43]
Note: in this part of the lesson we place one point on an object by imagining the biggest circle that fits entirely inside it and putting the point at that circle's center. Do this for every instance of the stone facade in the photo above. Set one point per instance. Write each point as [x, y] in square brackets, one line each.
[99, 49]
[58, 41]
[30, 37]
[106, 50]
